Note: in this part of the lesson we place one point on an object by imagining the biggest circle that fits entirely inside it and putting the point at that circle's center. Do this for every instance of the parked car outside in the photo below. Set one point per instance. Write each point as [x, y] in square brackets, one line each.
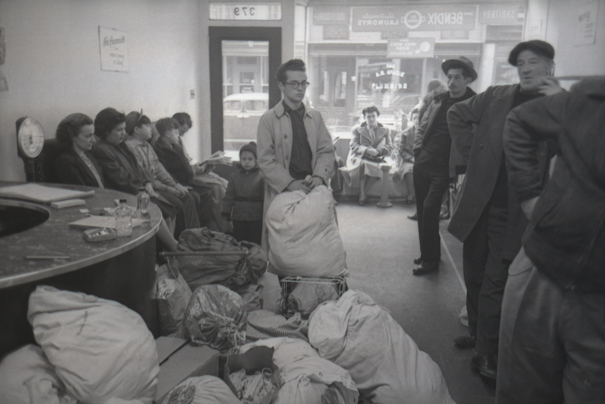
[241, 114]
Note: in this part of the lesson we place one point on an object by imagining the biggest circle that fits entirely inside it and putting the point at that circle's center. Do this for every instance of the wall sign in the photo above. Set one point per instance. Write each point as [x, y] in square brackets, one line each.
[586, 24]
[338, 32]
[113, 46]
[331, 16]
[411, 48]
[502, 14]
[413, 18]
[270, 11]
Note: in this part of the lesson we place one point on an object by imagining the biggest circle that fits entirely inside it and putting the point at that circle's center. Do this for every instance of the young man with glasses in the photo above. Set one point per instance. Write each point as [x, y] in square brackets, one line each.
[295, 150]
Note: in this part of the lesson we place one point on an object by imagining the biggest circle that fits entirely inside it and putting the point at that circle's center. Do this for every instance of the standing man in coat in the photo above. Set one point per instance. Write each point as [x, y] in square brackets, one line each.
[432, 150]
[552, 341]
[295, 150]
[488, 218]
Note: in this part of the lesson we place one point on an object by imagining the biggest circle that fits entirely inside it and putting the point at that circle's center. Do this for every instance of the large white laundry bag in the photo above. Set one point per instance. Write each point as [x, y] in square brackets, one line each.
[100, 349]
[383, 361]
[304, 239]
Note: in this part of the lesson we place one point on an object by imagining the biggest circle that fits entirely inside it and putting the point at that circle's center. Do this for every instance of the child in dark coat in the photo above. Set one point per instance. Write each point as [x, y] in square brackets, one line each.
[243, 201]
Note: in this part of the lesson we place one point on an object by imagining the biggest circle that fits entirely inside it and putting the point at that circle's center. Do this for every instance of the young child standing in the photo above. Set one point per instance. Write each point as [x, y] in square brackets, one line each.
[243, 201]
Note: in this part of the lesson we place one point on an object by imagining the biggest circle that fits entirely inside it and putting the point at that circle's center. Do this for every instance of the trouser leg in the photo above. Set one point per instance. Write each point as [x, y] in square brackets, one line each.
[474, 257]
[248, 230]
[430, 243]
[552, 342]
[421, 188]
[494, 281]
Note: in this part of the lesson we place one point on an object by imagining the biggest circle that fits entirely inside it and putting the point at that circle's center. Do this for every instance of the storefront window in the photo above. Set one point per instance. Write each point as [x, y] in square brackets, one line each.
[392, 85]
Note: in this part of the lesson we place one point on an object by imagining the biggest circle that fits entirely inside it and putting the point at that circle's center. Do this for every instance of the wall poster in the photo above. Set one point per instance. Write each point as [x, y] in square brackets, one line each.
[113, 46]
[586, 24]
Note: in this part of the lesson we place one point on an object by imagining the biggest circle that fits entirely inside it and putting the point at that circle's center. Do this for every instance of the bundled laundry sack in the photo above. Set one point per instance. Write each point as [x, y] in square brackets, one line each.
[100, 349]
[304, 239]
[385, 363]
[228, 262]
[216, 316]
[251, 295]
[201, 390]
[264, 324]
[27, 377]
[305, 377]
[172, 295]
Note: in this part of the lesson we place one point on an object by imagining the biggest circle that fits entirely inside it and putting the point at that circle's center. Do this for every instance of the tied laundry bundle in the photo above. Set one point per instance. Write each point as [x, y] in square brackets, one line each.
[385, 363]
[172, 295]
[218, 259]
[100, 349]
[216, 316]
[304, 239]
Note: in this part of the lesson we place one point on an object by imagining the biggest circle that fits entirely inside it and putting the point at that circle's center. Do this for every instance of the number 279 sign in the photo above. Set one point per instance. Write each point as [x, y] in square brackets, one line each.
[245, 11]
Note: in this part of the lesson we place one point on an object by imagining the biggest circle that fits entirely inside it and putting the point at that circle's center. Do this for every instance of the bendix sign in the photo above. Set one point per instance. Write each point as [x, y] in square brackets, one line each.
[421, 18]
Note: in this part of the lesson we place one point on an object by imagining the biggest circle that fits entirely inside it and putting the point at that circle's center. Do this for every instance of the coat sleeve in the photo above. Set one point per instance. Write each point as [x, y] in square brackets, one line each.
[355, 145]
[229, 197]
[525, 127]
[422, 126]
[462, 117]
[277, 176]
[68, 171]
[114, 173]
[325, 156]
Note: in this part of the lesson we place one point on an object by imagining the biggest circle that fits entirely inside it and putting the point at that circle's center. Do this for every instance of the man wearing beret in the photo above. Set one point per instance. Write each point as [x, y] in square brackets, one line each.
[552, 337]
[488, 218]
[432, 149]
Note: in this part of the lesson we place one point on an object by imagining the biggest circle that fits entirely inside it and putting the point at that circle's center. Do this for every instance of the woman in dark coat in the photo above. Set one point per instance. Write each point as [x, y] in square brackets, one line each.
[76, 165]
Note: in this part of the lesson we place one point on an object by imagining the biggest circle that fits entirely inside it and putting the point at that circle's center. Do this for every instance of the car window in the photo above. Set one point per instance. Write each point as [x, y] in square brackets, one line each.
[256, 105]
[232, 105]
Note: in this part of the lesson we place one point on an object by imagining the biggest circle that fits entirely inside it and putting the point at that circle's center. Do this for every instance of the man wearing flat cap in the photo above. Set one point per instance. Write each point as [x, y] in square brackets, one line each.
[432, 149]
[488, 218]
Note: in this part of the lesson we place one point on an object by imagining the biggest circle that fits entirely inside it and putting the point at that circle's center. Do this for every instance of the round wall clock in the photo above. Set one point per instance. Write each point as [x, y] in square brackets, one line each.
[30, 138]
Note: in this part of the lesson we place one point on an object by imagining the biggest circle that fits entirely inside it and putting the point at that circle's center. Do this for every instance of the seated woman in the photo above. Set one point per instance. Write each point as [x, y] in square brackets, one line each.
[76, 164]
[173, 158]
[370, 142]
[404, 157]
[138, 127]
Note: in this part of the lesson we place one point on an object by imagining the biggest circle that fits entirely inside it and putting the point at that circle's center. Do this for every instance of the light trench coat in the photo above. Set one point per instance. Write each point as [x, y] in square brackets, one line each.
[274, 139]
[363, 138]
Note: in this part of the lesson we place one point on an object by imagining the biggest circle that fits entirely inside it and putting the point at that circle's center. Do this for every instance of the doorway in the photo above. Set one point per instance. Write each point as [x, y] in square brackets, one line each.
[243, 65]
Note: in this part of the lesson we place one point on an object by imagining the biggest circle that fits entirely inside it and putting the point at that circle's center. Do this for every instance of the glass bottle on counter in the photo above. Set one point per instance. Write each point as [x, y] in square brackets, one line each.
[143, 201]
[123, 219]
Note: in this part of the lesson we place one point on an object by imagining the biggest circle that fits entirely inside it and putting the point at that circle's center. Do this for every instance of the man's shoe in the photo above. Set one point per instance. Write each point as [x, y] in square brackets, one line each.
[426, 268]
[414, 216]
[466, 341]
[418, 260]
[485, 365]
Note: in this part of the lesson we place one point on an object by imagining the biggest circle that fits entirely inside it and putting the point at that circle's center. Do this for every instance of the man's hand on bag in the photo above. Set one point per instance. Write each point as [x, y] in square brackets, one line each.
[299, 185]
[314, 182]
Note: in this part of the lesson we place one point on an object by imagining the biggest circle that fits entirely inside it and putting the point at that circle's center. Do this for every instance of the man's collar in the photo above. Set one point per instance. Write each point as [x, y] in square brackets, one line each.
[280, 110]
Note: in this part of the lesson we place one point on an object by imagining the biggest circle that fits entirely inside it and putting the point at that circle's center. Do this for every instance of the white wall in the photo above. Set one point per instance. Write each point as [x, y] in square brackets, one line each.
[53, 64]
[572, 59]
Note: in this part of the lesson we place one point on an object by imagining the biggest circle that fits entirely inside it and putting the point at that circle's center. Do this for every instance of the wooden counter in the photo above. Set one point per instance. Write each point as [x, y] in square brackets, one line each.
[120, 269]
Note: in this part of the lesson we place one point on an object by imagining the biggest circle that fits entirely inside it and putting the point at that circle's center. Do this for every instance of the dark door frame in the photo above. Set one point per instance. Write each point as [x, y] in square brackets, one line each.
[216, 36]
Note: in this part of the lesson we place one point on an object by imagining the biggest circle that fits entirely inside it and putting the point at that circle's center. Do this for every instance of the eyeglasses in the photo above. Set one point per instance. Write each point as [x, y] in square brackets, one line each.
[295, 84]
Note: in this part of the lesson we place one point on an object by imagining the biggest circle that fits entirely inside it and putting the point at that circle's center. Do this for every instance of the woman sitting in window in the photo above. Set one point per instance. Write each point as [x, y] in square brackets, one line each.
[371, 142]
